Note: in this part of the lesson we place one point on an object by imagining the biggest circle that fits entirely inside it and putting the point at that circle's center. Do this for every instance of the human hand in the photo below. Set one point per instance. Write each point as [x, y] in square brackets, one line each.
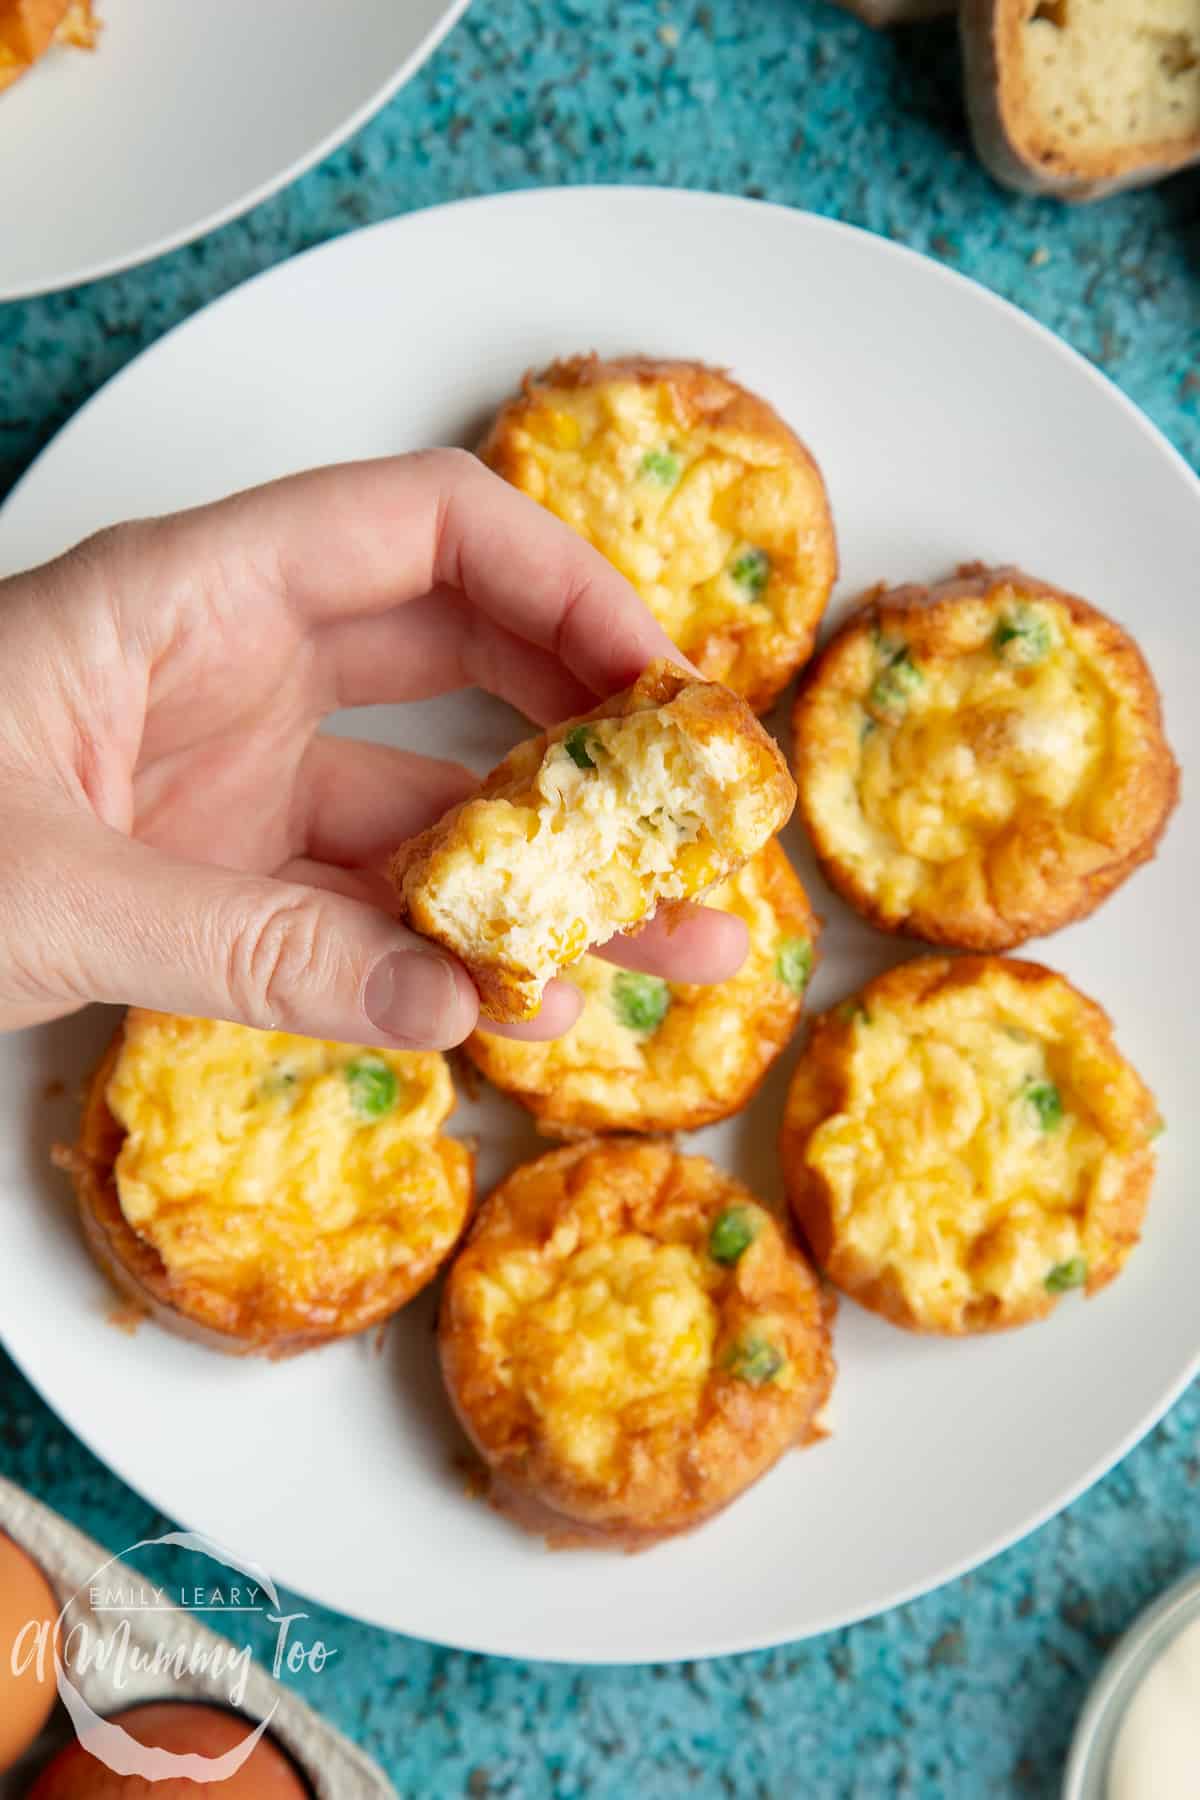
[176, 833]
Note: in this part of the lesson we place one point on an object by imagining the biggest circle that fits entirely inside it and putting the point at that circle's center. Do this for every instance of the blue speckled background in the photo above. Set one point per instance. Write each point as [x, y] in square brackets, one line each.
[973, 1690]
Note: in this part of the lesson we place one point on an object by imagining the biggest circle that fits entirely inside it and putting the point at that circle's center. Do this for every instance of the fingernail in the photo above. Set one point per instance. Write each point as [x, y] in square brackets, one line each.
[413, 995]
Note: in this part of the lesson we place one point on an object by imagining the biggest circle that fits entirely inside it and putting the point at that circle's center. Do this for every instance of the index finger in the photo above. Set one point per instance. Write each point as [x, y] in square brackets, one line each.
[360, 538]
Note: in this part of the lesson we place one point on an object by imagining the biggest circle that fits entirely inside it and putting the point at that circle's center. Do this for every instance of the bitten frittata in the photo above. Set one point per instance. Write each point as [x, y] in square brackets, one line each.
[270, 1191]
[698, 493]
[630, 1340]
[651, 1055]
[585, 831]
[963, 1143]
[981, 762]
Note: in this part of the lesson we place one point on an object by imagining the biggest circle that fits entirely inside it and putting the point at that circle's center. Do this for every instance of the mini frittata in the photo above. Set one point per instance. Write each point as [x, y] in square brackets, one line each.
[263, 1192]
[630, 1340]
[963, 1144]
[981, 762]
[697, 491]
[651, 1055]
[587, 830]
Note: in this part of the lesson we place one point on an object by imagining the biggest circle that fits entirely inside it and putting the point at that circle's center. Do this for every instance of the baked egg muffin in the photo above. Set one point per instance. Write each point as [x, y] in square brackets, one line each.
[630, 1340]
[981, 762]
[652, 1055]
[698, 493]
[963, 1143]
[263, 1192]
[585, 831]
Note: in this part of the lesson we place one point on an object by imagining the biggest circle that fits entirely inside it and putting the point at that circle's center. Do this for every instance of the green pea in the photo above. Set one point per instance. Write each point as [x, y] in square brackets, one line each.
[894, 684]
[1046, 1102]
[640, 1001]
[661, 465]
[374, 1089]
[579, 744]
[733, 1232]
[1158, 1127]
[850, 1010]
[1066, 1275]
[794, 963]
[751, 570]
[755, 1360]
[1022, 636]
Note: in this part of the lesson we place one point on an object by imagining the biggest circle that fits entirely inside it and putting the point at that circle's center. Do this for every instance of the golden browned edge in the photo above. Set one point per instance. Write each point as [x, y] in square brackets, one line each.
[1009, 137]
[32, 26]
[500, 992]
[702, 395]
[975, 581]
[186, 1308]
[776, 1019]
[820, 1087]
[510, 1487]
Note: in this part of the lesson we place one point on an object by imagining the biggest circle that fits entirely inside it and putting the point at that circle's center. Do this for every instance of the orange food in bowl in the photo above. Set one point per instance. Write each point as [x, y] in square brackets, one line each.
[183, 1729]
[28, 1618]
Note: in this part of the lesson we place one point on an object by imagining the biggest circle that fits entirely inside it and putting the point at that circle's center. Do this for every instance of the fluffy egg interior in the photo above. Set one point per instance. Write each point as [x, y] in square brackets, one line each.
[622, 814]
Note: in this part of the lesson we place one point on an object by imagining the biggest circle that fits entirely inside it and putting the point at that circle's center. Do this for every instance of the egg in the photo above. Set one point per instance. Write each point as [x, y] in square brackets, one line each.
[28, 1619]
[964, 1143]
[651, 1055]
[983, 761]
[696, 491]
[183, 1729]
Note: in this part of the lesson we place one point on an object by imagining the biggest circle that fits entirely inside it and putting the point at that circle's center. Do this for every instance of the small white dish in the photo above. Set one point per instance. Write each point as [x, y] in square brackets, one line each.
[1122, 1674]
[187, 113]
[949, 426]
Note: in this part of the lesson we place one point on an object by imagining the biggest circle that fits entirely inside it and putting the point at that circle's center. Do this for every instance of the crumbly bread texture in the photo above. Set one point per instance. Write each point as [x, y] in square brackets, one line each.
[697, 491]
[652, 1055]
[963, 1143]
[262, 1192]
[630, 1340]
[587, 830]
[29, 27]
[981, 762]
[1080, 98]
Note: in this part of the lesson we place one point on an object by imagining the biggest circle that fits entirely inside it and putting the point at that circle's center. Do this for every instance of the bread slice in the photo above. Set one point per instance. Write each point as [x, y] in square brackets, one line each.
[1081, 98]
[897, 12]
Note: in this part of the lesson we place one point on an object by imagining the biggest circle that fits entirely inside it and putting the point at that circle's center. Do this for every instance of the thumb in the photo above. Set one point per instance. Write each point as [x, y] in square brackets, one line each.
[131, 924]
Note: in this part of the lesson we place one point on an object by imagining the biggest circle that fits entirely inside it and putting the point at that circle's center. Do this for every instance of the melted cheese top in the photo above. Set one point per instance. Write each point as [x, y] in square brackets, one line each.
[257, 1156]
[945, 776]
[986, 1136]
[616, 1337]
[714, 528]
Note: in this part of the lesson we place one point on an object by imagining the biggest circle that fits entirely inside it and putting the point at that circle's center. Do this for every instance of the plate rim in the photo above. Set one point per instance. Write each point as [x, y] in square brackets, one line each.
[264, 190]
[487, 1641]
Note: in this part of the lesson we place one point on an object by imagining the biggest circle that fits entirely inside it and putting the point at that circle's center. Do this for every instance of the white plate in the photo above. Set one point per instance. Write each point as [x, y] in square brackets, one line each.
[949, 427]
[187, 113]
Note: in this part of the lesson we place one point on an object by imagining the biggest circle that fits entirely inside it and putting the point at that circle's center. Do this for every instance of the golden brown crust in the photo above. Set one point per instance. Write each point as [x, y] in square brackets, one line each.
[29, 27]
[670, 1465]
[756, 653]
[241, 1326]
[715, 715]
[1016, 144]
[827, 1085]
[1034, 872]
[715, 1049]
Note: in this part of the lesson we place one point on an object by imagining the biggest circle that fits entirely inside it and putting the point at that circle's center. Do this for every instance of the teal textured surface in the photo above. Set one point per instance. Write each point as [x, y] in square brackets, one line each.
[971, 1691]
